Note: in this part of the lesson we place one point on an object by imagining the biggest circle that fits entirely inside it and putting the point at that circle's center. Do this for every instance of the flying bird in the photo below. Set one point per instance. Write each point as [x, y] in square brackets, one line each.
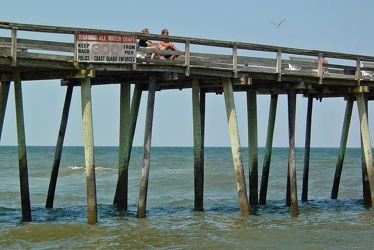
[279, 24]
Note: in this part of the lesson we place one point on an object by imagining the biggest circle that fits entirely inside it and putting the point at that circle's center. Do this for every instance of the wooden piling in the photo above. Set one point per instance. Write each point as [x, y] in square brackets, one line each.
[124, 134]
[366, 144]
[147, 149]
[252, 146]
[291, 158]
[4, 92]
[366, 193]
[268, 149]
[235, 146]
[197, 140]
[308, 133]
[121, 195]
[202, 129]
[343, 147]
[22, 156]
[59, 146]
[87, 123]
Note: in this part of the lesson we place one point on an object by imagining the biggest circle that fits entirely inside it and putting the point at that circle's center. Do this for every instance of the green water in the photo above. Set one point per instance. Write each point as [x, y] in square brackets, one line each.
[171, 223]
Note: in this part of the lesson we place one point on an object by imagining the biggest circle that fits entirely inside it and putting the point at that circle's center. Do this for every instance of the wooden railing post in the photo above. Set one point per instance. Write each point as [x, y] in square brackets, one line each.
[13, 49]
[358, 70]
[235, 60]
[278, 68]
[319, 68]
[187, 57]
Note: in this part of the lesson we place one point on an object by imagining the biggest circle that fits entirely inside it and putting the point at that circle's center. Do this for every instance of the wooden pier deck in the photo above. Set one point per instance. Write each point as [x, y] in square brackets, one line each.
[202, 65]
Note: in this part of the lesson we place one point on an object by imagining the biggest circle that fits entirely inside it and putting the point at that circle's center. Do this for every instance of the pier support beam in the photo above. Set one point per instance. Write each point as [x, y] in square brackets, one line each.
[147, 148]
[125, 142]
[343, 146]
[252, 147]
[87, 123]
[366, 144]
[308, 133]
[202, 129]
[22, 158]
[291, 157]
[59, 145]
[120, 198]
[268, 149]
[235, 146]
[4, 92]
[365, 180]
[198, 119]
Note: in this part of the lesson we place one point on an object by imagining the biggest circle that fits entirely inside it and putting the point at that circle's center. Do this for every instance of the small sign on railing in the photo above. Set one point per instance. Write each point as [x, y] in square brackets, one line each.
[109, 48]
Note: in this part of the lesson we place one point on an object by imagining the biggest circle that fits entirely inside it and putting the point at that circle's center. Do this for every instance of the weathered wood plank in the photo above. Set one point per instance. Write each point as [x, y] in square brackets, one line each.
[46, 57]
[38, 45]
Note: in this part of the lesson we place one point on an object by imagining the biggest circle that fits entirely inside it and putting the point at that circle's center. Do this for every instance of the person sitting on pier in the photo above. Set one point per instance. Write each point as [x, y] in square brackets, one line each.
[166, 45]
[325, 69]
[148, 44]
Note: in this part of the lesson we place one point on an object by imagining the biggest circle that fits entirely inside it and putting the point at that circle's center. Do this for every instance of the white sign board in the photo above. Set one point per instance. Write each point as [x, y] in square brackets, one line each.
[105, 48]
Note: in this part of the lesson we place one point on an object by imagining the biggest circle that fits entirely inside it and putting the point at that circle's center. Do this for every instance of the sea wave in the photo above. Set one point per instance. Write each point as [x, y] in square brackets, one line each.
[75, 167]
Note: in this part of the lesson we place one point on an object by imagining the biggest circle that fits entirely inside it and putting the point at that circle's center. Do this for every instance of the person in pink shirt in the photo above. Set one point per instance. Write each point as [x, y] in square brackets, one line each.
[324, 63]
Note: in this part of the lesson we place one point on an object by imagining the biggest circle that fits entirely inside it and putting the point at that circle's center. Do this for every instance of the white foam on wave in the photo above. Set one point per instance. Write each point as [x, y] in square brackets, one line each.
[76, 167]
[83, 168]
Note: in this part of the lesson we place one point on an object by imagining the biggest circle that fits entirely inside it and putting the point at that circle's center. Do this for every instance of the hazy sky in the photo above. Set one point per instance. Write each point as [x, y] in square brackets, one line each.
[339, 26]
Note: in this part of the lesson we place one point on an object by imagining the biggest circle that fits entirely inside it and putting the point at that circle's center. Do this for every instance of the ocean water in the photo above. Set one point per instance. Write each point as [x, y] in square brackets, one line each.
[171, 223]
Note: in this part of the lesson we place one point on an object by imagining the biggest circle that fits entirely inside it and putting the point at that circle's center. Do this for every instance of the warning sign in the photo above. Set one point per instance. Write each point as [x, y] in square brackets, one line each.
[108, 48]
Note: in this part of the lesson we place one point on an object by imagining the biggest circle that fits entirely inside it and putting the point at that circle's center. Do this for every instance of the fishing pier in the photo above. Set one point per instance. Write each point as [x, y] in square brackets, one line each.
[84, 58]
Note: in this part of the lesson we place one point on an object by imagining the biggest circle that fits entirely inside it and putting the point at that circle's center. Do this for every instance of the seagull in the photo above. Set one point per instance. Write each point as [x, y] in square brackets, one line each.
[279, 24]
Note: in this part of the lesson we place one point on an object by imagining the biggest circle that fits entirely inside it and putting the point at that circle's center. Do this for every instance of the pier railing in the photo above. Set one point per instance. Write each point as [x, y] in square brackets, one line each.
[197, 56]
